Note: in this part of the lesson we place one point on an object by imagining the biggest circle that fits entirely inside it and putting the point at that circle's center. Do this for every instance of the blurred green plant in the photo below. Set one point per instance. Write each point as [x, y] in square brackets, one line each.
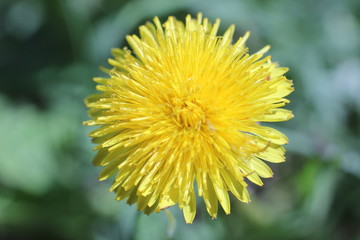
[51, 49]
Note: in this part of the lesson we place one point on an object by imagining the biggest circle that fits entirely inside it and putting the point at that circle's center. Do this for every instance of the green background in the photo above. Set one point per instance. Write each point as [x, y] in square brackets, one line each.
[51, 49]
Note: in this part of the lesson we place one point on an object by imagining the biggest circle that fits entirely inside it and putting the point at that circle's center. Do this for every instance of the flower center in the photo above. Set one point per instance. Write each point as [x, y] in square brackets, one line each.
[188, 113]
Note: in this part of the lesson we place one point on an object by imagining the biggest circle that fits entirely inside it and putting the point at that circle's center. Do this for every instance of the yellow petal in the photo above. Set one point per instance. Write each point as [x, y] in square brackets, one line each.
[189, 209]
[223, 197]
[276, 115]
[261, 168]
[274, 154]
[254, 177]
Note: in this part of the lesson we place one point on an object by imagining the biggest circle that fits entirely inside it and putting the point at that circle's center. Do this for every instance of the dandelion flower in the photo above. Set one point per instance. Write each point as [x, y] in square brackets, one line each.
[180, 115]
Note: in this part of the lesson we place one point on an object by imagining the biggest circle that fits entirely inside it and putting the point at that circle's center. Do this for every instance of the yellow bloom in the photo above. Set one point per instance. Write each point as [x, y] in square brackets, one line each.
[184, 108]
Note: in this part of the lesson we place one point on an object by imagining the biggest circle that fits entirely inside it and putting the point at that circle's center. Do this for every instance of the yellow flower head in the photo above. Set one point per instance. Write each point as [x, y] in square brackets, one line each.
[181, 111]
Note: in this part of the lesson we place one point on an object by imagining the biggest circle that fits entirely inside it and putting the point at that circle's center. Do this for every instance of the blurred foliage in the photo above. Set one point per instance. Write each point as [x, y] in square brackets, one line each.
[50, 50]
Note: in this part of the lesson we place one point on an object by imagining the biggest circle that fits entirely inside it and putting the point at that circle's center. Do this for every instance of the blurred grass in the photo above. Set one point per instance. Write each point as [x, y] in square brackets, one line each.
[50, 50]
